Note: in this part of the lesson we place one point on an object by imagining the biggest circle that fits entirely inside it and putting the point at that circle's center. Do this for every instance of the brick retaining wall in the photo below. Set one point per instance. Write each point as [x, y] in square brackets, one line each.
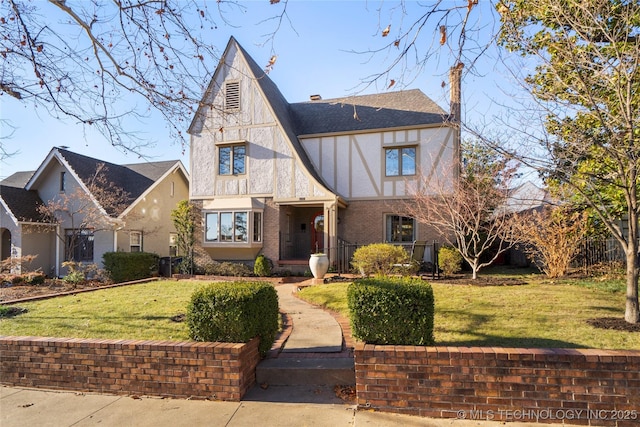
[220, 371]
[574, 386]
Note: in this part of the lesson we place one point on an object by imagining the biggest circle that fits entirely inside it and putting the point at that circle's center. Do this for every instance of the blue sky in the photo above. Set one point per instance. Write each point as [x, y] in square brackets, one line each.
[316, 55]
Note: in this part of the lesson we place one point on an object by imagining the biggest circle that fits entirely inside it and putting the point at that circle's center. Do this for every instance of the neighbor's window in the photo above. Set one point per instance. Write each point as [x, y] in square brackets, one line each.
[135, 241]
[399, 228]
[231, 160]
[232, 96]
[400, 161]
[63, 181]
[79, 245]
[230, 227]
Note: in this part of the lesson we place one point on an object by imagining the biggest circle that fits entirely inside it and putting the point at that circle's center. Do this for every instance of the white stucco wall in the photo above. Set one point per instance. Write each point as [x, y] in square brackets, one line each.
[354, 165]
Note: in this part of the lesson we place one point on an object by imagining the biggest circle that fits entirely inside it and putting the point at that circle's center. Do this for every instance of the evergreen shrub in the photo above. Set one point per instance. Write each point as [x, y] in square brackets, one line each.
[378, 259]
[391, 311]
[449, 260]
[127, 266]
[262, 266]
[234, 312]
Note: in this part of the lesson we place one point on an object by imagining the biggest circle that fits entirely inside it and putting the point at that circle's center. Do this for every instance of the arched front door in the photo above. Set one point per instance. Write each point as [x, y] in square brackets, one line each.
[317, 233]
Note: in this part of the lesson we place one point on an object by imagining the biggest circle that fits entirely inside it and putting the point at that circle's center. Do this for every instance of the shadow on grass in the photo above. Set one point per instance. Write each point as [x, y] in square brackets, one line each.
[474, 322]
[487, 340]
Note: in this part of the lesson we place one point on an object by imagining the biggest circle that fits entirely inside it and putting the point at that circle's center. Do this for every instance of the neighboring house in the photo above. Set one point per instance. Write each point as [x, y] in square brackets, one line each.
[141, 222]
[289, 179]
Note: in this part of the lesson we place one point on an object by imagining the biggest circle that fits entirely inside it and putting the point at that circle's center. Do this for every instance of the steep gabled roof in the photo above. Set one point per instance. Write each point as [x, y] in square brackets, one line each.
[367, 112]
[22, 204]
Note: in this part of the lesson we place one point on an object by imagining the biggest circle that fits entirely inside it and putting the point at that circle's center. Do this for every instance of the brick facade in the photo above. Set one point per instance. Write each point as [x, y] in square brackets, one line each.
[572, 386]
[363, 221]
[219, 371]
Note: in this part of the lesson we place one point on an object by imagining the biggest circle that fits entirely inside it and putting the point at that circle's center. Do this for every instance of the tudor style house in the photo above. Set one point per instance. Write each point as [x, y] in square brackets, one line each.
[290, 179]
[99, 207]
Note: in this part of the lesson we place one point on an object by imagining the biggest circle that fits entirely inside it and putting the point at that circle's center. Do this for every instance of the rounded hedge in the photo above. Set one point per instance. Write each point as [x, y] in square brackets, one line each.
[392, 311]
[234, 312]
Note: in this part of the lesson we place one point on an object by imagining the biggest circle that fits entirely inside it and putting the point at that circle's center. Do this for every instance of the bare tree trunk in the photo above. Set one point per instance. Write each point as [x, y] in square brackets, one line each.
[632, 311]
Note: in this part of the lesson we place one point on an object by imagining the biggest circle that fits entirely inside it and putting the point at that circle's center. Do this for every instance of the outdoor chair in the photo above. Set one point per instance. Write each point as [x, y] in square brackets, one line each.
[416, 261]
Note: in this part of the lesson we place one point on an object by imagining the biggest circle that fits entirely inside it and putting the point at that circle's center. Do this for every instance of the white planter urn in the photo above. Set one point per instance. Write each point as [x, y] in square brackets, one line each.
[319, 265]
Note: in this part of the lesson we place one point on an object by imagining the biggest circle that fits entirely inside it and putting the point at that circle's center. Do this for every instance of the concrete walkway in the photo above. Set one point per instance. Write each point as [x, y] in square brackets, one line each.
[314, 330]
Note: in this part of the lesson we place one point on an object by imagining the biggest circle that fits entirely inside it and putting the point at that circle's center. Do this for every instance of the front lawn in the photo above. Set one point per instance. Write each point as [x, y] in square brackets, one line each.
[537, 314]
[143, 311]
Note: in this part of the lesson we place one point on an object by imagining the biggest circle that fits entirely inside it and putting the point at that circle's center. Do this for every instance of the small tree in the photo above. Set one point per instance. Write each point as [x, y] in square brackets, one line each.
[88, 207]
[185, 218]
[551, 237]
[470, 212]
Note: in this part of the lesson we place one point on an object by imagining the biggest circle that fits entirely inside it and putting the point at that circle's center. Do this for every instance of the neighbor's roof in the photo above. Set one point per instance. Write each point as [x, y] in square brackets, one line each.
[22, 204]
[18, 179]
[133, 179]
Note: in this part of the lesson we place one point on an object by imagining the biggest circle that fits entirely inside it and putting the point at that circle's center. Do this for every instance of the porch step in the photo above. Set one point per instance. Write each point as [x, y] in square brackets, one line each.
[306, 371]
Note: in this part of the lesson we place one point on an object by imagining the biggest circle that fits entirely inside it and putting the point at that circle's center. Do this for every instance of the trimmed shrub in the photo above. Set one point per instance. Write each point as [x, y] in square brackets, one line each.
[378, 258]
[35, 278]
[74, 277]
[449, 260]
[391, 311]
[262, 266]
[234, 269]
[234, 312]
[126, 266]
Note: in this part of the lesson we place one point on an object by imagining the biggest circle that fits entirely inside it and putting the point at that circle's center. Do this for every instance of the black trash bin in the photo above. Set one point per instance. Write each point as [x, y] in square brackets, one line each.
[169, 265]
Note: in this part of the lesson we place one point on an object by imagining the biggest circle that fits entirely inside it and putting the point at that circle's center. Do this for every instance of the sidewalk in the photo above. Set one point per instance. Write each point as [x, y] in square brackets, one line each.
[286, 407]
[315, 333]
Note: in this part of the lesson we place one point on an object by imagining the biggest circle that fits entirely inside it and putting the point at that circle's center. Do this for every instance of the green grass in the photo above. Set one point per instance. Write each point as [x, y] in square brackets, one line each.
[537, 314]
[130, 312]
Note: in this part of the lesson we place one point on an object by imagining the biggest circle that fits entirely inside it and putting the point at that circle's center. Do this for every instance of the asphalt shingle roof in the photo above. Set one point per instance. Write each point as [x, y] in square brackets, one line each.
[22, 203]
[133, 179]
[18, 179]
[367, 112]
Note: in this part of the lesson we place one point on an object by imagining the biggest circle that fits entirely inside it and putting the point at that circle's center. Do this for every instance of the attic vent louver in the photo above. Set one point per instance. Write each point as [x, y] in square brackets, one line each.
[232, 96]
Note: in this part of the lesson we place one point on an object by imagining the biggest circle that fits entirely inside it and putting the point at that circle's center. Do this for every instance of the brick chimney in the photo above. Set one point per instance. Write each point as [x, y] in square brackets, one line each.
[455, 77]
[455, 113]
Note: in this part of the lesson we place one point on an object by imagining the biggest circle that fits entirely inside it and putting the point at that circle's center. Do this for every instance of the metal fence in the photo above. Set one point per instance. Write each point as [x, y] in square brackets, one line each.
[345, 251]
[596, 251]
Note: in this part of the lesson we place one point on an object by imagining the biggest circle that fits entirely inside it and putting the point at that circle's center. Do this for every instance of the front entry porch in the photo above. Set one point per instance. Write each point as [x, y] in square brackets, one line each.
[306, 229]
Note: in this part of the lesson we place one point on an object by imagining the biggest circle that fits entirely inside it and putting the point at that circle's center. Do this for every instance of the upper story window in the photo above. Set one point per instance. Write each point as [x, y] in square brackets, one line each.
[400, 161]
[400, 229]
[232, 96]
[231, 159]
[63, 181]
[135, 241]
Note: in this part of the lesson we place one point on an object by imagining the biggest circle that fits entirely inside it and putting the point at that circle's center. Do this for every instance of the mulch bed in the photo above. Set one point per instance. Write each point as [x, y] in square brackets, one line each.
[614, 323]
[9, 292]
[482, 281]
